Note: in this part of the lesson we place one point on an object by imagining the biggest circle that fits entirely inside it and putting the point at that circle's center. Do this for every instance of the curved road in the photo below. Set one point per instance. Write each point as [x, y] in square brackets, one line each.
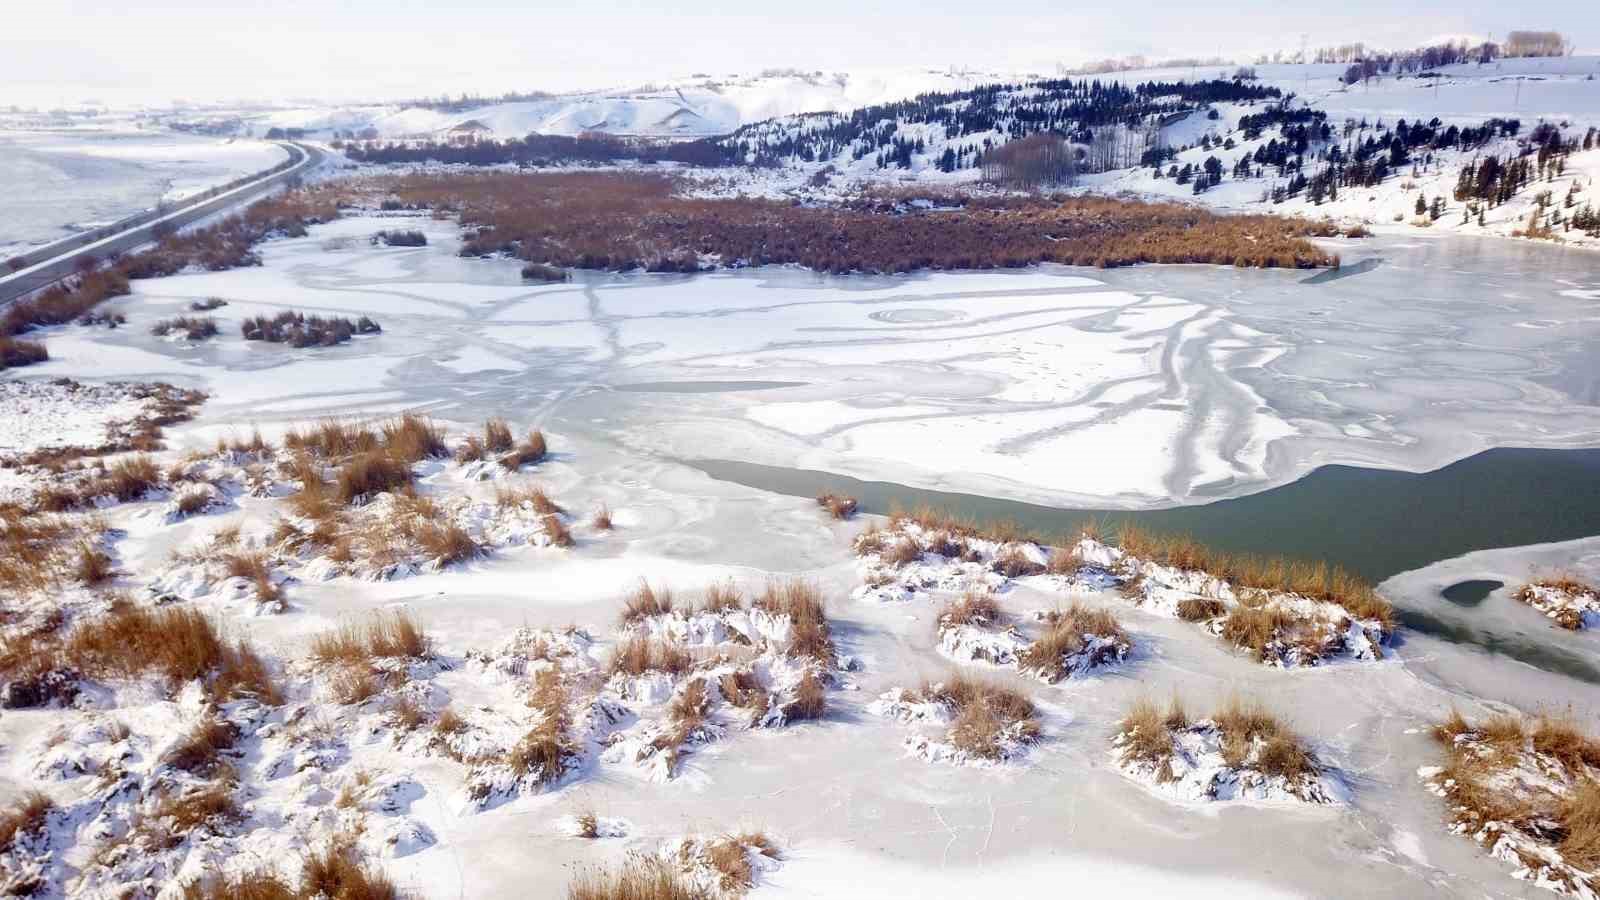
[139, 229]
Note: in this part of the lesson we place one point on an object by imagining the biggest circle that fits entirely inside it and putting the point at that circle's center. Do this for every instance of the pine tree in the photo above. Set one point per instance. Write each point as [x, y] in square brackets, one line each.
[1422, 205]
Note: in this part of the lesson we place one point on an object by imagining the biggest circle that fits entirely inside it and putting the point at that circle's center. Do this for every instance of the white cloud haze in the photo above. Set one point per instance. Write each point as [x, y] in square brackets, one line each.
[72, 50]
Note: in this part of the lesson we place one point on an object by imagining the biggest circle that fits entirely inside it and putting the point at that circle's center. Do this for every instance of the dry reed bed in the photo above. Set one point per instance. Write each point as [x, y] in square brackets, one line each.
[623, 221]
[1527, 791]
[1241, 751]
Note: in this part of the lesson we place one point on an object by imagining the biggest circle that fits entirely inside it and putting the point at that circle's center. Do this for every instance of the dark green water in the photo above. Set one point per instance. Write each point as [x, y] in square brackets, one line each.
[1471, 593]
[1374, 522]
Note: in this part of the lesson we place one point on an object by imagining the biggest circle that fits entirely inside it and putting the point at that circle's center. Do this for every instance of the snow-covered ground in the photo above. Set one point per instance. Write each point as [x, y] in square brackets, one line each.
[1136, 386]
[54, 182]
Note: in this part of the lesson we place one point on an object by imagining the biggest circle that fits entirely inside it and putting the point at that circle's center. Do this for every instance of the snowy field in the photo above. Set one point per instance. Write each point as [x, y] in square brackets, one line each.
[56, 182]
[1140, 386]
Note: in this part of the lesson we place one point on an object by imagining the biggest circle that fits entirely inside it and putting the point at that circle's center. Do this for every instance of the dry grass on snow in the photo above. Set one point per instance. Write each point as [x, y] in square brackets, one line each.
[546, 746]
[641, 654]
[645, 602]
[800, 600]
[839, 506]
[638, 878]
[1487, 797]
[986, 712]
[1065, 634]
[1316, 580]
[26, 815]
[1251, 736]
[334, 872]
[395, 634]
[177, 643]
[977, 607]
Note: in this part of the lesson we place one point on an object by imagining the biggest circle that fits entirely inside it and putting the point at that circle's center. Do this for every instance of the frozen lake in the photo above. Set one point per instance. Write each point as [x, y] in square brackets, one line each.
[1133, 388]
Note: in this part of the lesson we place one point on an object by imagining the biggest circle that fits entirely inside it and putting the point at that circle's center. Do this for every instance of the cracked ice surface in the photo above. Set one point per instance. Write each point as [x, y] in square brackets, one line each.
[1132, 387]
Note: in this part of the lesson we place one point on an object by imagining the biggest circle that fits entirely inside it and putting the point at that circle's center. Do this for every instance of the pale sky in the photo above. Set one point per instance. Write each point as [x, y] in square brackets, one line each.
[156, 51]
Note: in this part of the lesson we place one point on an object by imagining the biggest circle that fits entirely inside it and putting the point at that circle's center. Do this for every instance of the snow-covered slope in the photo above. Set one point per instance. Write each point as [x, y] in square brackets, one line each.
[693, 107]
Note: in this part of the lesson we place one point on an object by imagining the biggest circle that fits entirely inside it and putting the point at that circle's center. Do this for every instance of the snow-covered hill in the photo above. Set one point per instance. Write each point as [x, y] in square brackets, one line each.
[695, 107]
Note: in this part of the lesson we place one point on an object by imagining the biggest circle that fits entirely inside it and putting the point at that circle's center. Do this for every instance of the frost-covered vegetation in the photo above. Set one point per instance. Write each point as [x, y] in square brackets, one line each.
[1528, 791]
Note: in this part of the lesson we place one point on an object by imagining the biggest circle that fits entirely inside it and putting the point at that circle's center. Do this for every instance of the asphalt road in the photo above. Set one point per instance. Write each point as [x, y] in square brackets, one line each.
[139, 230]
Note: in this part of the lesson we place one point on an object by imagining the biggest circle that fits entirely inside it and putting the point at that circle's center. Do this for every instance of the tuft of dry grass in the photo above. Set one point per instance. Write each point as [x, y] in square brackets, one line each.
[253, 567]
[1147, 731]
[809, 633]
[1066, 634]
[200, 749]
[253, 885]
[1255, 628]
[1244, 724]
[332, 873]
[1200, 609]
[810, 699]
[1569, 618]
[558, 532]
[900, 552]
[445, 543]
[369, 473]
[1580, 819]
[729, 857]
[395, 634]
[471, 449]
[839, 506]
[177, 643]
[638, 878]
[449, 722]
[645, 602]
[25, 816]
[406, 713]
[335, 872]
[642, 654]
[743, 689]
[601, 521]
[545, 748]
[588, 824]
[985, 713]
[332, 439]
[1012, 562]
[533, 497]
[531, 450]
[93, 566]
[1481, 783]
[497, 436]
[211, 804]
[723, 597]
[976, 607]
[413, 438]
